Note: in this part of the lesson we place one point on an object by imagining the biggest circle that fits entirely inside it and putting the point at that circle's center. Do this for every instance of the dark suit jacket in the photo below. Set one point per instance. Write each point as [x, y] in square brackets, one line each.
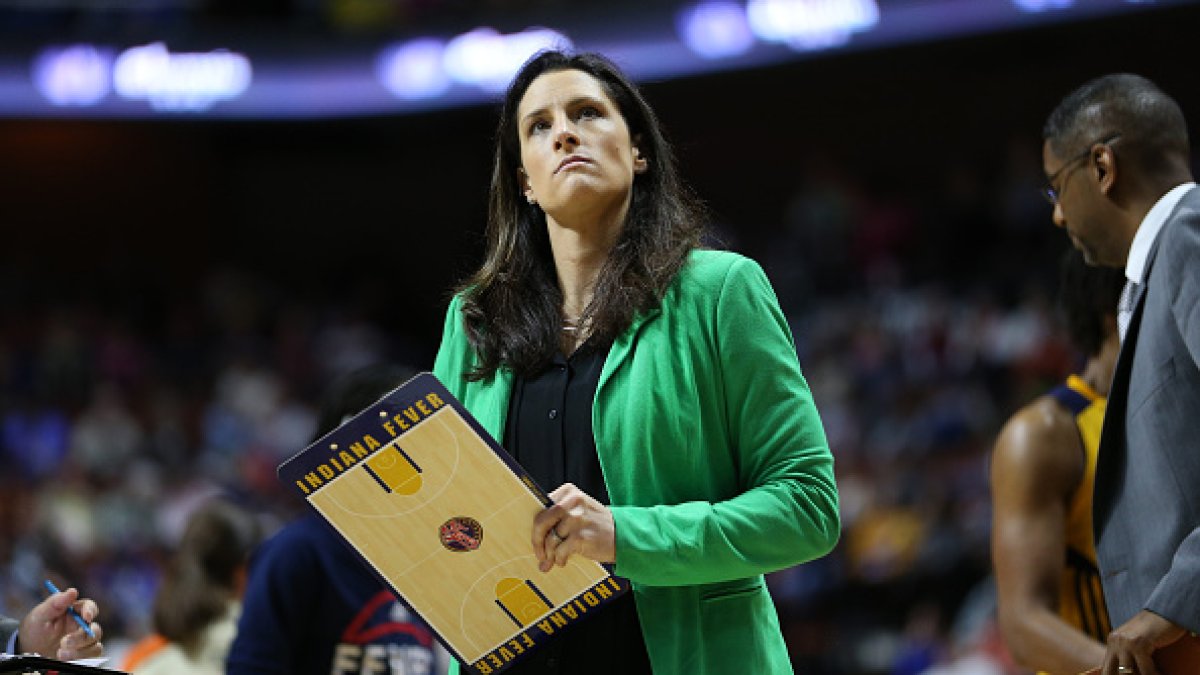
[1147, 494]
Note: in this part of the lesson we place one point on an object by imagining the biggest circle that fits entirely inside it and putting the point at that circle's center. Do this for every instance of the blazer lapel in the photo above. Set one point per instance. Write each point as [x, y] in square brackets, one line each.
[1111, 454]
[622, 347]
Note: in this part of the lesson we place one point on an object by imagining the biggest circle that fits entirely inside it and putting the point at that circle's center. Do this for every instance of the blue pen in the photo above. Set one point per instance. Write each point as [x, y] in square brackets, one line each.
[71, 610]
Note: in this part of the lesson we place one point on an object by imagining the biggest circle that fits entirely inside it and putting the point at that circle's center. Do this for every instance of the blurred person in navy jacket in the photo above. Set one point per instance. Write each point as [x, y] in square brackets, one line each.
[312, 607]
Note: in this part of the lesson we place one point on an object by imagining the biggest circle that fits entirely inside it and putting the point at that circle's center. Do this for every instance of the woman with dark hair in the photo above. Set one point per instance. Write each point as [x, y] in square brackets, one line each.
[196, 608]
[653, 385]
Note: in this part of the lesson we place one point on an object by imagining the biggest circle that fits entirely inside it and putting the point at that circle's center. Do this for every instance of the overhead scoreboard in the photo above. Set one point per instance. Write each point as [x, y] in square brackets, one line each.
[443, 515]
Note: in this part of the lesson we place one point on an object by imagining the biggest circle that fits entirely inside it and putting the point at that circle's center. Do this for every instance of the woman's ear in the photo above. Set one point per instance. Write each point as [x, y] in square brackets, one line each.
[526, 188]
[640, 164]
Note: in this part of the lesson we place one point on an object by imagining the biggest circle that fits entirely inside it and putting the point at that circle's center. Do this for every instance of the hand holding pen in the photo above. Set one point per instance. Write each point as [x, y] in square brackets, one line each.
[61, 626]
[72, 611]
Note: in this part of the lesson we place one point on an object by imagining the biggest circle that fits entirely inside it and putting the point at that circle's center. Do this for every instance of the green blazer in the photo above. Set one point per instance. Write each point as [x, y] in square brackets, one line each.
[716, 463]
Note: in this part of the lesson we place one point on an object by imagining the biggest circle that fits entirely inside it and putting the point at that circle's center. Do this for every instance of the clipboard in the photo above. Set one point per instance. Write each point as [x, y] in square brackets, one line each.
[32, 663]
[442, 515]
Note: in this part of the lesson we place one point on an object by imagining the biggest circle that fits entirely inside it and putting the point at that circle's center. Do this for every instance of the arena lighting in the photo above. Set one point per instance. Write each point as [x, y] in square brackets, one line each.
[180, 82]
[1042, 5]
[715, 29]
[413, 70]
[810, 24]
[314, 78]
[488, 60]
[74, 76]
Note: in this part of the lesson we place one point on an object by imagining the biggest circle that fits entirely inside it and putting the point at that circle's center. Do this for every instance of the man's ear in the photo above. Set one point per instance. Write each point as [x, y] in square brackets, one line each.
[1104, 161]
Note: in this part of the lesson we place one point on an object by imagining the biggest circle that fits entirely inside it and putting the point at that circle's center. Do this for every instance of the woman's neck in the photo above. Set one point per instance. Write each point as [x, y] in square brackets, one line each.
[579, 255]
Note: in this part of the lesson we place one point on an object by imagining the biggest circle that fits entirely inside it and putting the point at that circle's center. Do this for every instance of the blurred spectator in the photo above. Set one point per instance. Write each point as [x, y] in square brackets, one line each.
[106, 435]
[197, 606]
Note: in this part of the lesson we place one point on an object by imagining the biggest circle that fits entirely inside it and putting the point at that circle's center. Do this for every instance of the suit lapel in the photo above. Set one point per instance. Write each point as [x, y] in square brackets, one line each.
[1111, 455]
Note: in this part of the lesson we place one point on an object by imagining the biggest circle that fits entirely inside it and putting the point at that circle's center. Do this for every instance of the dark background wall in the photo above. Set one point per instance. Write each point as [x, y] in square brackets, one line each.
[388, 212]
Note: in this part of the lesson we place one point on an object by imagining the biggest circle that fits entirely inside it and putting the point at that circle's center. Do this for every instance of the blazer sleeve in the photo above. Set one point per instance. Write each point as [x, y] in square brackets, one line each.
[1182, 259]
[787, 512]
[1177, 595]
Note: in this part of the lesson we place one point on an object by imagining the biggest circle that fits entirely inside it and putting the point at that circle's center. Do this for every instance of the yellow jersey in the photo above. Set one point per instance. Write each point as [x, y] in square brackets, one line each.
[1081, 600]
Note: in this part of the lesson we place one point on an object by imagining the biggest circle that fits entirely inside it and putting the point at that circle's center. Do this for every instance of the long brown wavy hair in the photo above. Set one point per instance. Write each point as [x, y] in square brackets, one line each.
[512, 304]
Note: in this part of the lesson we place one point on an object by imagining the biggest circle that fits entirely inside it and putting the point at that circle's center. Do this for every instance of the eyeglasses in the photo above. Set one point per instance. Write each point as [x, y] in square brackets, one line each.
[1051, 193]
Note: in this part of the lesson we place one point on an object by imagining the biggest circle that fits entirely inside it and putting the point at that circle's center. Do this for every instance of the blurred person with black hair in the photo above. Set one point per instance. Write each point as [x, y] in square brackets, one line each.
[196, 608]
[653, 387]
[1051, 606]
[1117, 159]
[49, 629]
[312, 606]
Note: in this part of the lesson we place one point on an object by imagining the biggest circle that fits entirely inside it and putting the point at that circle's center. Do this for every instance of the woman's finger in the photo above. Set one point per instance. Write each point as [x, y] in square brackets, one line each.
[562, 553]
[543, 523]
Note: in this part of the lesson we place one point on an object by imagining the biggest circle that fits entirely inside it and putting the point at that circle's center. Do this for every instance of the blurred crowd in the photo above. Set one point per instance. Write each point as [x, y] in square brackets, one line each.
[922, 323]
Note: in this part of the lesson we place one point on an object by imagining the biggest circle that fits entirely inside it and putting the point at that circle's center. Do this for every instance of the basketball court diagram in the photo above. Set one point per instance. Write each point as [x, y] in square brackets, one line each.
[446, 522]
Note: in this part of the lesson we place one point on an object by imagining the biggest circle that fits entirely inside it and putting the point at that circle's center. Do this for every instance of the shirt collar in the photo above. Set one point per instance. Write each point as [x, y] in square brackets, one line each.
[1147, 232]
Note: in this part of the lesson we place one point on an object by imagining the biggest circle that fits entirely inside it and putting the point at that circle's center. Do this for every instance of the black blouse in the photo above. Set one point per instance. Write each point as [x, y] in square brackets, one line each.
[549, 432]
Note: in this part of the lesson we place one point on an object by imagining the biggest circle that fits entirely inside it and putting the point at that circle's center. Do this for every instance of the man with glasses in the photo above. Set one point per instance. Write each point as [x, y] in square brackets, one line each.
[1116, 155]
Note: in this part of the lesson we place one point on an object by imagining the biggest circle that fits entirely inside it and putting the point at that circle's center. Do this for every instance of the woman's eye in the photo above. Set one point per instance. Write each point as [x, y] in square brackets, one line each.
[588, 112]
[540, 125]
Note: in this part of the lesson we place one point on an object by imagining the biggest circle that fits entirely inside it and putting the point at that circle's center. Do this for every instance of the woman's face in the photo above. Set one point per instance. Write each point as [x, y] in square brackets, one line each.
[577, 158]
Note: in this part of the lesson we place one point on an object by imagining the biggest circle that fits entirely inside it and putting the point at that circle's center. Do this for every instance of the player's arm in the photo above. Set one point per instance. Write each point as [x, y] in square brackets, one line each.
[1037, 463]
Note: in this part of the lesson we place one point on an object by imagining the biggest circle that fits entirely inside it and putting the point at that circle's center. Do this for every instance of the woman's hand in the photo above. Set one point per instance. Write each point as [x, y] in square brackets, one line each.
[575, 524]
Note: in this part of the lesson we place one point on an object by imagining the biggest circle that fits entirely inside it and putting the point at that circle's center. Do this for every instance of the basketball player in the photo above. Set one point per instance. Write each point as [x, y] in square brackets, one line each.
[1052, 611]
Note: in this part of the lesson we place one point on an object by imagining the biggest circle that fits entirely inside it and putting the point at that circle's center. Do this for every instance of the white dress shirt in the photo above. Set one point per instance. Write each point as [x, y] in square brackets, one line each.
[1139, 251]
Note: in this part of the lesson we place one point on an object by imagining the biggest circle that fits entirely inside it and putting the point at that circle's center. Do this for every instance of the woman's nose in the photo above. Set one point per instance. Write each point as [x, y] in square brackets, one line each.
[566, 137]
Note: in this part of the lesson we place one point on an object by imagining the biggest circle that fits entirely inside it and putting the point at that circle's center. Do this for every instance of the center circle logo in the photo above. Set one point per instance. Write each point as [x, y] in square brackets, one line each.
[461, 534]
